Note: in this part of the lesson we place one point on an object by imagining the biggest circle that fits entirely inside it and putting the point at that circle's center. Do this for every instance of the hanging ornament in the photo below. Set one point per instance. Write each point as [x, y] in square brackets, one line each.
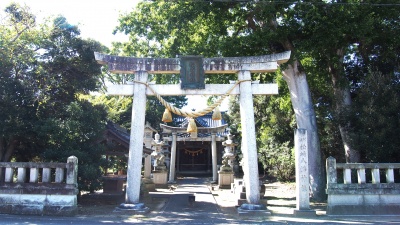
[167, 117]
[192, 128]
[216, 114]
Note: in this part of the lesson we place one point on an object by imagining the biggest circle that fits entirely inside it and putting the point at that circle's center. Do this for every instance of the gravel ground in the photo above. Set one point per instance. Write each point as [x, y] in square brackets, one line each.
[279, 198]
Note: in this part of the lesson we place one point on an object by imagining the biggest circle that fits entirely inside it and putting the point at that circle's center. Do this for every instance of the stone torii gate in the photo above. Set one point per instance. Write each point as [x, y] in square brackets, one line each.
[242, 66]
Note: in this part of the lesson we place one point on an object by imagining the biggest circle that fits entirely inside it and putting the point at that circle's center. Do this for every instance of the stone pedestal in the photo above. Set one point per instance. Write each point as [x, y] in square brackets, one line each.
[304, 213]
[252, 210]
[225, 179]
[137, 208]
[147, 186]
[113, 184]
[239, 190]
[160, 177]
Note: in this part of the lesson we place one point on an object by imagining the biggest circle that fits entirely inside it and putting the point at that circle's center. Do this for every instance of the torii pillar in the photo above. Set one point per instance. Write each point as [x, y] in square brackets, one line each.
[243, 66]
[136, 140]
[249, 146]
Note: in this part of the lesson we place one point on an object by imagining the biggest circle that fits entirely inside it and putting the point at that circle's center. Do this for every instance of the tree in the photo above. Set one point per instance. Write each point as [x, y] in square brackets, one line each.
[336, 45]
[76, 130]
[44, 69]
[376, 117]
[17, 32]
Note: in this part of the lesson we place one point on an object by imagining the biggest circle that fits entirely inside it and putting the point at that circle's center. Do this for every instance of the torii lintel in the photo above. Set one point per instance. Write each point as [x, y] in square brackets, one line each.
[223, 65]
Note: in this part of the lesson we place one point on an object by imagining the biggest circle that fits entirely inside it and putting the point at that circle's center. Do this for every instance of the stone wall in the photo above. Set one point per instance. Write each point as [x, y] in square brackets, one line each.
[371, 194]
[39, 188]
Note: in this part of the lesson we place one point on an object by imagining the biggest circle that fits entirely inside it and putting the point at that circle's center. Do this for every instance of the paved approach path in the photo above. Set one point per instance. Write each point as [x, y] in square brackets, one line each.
[210, 207]
[191, 203]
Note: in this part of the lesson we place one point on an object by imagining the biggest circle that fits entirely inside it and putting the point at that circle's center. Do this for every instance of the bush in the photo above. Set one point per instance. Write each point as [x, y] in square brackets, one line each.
[278, 159]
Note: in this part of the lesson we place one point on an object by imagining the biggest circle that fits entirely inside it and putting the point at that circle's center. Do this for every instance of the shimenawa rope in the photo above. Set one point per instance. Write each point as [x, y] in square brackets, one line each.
[192, 114]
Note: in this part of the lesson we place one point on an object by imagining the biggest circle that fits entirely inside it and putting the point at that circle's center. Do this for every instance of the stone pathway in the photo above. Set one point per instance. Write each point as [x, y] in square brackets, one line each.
[191, 202]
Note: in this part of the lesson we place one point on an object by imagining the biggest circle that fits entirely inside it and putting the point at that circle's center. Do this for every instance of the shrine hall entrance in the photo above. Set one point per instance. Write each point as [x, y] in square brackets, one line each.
[194, 158]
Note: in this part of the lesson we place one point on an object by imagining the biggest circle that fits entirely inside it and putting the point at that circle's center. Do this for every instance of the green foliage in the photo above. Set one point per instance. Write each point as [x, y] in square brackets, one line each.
[119, 108]
[171, 28]
[75, 131]
[278, 159]
[376, 118]
[43, 70]
[275, 122]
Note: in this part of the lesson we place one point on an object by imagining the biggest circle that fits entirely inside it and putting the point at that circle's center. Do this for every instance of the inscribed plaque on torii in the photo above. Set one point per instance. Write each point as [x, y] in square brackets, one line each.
[192, 72]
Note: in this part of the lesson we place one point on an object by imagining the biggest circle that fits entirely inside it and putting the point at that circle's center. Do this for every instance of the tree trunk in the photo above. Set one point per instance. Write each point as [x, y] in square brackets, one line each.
[7, 149]
[343, 101]
[305, 118]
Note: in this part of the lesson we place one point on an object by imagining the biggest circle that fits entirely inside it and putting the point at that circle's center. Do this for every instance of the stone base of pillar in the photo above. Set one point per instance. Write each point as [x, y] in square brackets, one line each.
[304, 213]
[225, 179]
[253, 210]
[160, 177]
[239, 190]
[138, 208]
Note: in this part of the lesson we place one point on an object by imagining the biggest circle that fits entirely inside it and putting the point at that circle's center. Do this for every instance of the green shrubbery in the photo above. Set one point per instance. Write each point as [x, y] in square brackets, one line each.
[278, 160]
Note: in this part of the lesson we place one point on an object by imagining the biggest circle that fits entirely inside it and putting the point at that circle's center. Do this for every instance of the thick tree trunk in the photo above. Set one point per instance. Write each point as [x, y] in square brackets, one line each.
[343, 104]
[7, 149]
[343, 101]
[305, 118]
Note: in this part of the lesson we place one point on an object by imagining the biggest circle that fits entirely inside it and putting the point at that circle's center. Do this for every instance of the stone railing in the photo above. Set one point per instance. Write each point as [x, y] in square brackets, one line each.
[39, 188]
[369, 195]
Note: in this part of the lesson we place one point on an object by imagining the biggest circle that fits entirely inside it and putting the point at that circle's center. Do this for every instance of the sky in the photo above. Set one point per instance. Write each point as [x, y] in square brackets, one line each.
[96, 19]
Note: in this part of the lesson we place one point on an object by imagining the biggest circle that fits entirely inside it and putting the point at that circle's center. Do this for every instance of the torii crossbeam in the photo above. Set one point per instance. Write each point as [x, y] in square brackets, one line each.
[243, 66]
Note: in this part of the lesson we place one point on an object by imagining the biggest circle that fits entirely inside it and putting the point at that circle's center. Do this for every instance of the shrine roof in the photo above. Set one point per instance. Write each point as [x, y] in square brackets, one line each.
[116, 133]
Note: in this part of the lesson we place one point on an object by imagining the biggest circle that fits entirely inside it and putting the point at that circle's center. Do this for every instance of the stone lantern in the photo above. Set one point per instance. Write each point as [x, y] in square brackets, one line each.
[148, 135]
[229, 153]
[225, 174]
[158, 155]
[147, 140]
[160, 170]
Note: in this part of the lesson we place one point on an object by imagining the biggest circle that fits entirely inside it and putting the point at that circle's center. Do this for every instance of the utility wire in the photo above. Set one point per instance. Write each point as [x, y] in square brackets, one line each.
[285, 2]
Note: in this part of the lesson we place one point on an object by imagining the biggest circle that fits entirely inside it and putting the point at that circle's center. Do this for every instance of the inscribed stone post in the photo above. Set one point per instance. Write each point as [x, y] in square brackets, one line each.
[302, 179]
[147, 166]
[173, 158]
[302, 174]
[214, 157]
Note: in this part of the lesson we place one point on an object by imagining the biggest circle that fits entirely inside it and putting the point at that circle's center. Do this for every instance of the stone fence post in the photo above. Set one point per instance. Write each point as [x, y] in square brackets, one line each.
[72, 170]
[331, 174]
